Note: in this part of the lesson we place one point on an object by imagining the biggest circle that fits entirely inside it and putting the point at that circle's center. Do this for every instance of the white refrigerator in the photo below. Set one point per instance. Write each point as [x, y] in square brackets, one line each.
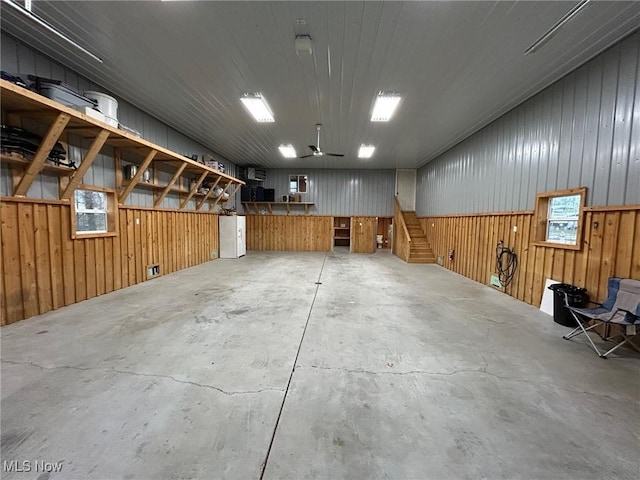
[233, 238]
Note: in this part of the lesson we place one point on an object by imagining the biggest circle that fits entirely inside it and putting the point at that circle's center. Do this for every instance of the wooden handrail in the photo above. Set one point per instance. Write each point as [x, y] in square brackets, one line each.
[402, 222]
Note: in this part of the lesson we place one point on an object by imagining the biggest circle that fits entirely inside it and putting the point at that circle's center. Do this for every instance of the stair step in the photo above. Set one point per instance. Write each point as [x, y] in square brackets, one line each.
[420, 260]
[419, 249]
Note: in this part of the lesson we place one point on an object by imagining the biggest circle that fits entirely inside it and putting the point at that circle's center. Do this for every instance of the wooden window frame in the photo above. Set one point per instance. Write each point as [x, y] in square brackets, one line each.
[541, 218]
[112, 214]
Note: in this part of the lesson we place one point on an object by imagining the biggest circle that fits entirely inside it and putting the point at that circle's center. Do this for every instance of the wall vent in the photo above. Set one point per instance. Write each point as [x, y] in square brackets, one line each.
[153, 271]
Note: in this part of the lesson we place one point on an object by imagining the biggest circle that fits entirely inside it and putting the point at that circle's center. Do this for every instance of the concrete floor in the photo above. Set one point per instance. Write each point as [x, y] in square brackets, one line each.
[401, 371]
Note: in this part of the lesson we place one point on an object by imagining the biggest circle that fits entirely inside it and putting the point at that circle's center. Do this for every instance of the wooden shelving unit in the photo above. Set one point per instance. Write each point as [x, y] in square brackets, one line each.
[20, 103]
[174, 189]
[51, 168]
[341, 231]
[256, 206]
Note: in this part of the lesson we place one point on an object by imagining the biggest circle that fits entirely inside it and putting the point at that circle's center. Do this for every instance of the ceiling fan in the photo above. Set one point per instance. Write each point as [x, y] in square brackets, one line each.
[315, 149]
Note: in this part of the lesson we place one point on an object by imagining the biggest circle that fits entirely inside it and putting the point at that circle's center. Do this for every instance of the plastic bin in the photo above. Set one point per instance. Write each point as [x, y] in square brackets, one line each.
[576, 297]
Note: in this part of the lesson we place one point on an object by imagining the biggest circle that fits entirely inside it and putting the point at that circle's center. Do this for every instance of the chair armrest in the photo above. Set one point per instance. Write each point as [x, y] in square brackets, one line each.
[631, 314]
[626, 312]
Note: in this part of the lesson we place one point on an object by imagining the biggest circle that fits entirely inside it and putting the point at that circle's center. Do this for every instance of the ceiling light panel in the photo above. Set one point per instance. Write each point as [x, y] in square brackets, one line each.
[304, 45]
[366, 151]
[258, 107]
[26, 11]
[288, 151]
[385, 106]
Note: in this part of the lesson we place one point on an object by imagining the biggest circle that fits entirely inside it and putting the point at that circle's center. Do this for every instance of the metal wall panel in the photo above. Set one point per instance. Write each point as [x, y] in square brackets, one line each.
[20, 59]
[584, 130]
[339, 192]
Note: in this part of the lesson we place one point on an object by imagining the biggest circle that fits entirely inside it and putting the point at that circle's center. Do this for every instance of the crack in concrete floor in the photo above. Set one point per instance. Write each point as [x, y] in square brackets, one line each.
[140, 374]
[466, 370]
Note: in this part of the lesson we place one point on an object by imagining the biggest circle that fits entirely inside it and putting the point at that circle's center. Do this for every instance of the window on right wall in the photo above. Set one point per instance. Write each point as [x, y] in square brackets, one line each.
[559, 218]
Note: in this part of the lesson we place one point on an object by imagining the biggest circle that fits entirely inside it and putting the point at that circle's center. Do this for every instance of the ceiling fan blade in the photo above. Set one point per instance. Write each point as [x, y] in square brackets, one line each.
[313, 148]
[307, 156]
[335, 154]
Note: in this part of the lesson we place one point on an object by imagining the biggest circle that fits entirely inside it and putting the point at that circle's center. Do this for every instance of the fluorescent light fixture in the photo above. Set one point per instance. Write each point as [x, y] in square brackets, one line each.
[557, 26]
[26, 11]
[304, 45]
[366, 151]
[288, 151]
[384, 106]
[258, 107]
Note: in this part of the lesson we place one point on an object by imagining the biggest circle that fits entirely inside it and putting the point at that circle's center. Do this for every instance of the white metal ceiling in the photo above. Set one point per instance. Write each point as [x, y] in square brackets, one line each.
[457, 64]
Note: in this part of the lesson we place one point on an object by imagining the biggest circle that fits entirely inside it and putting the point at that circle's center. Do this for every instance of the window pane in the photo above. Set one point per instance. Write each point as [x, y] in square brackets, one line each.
[302, 184]
[564, 207]
[563, 231]
[90, 200]
[91, 222]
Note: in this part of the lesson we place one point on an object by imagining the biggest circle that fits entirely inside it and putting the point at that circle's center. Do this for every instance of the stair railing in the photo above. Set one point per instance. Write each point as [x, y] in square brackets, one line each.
[401, 248]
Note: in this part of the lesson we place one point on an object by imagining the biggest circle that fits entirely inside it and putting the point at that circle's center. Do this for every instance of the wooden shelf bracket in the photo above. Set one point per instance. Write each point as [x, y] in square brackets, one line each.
[88, 159]
[37, 164]
[138, 175]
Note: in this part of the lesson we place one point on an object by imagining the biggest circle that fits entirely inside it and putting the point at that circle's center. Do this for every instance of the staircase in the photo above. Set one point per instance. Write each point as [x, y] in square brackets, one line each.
[420, 250]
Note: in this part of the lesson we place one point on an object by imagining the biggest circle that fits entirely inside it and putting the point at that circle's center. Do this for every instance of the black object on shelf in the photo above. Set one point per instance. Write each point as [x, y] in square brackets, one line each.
[245, 193]
[269, 194]
[260, 194]
[16, 80]
[25, 143]
[575, 297]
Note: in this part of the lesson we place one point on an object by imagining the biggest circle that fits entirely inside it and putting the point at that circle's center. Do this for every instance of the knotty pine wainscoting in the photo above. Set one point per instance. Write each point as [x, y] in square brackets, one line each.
[43, 268]
[290, 233]
[308, 233]
[610, 247]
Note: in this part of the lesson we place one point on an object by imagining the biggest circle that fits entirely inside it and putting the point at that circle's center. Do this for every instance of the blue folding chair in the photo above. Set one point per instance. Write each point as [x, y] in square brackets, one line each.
[622, 307]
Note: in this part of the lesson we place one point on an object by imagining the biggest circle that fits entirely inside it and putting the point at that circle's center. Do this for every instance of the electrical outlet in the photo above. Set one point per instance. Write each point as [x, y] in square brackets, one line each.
[515, 228]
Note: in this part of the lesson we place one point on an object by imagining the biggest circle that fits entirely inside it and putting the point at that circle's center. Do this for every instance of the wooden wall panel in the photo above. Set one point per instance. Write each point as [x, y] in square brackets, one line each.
[610, 247]
[363, 234]
[43, 268]
[290, 233]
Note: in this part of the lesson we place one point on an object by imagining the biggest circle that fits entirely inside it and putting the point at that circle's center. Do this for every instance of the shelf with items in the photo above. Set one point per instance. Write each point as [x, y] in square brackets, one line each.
[185, 192]
[341, 231]
[20, 161]
[256, 206]
[21, 104]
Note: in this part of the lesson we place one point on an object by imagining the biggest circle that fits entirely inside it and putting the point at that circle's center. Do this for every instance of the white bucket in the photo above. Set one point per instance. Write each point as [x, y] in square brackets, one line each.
[107, 105]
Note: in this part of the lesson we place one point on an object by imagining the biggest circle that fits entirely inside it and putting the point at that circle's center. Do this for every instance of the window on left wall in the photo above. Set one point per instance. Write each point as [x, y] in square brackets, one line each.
[93, 212]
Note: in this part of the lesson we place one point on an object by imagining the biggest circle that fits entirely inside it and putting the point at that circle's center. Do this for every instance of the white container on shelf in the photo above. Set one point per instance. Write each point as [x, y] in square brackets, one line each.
[90, 112]
[106, 104]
